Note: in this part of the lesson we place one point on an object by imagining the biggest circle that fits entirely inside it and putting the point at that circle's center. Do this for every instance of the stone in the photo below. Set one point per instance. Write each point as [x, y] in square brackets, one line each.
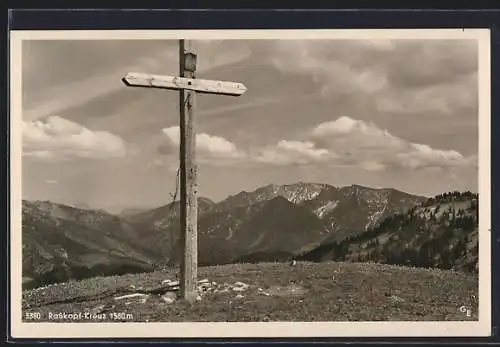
[396, 299]
[128, 296]
[240, 287]
[169, 297]
[168, 300]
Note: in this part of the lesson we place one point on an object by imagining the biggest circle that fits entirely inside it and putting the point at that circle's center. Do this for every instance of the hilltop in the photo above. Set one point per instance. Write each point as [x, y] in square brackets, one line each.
[270, 292]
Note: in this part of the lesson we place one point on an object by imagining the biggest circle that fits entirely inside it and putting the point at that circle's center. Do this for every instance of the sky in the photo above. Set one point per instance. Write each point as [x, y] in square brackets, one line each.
[381, 113]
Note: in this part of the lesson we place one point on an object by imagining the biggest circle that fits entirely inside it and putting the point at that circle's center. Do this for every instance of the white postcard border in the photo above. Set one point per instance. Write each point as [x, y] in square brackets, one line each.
[482, 327]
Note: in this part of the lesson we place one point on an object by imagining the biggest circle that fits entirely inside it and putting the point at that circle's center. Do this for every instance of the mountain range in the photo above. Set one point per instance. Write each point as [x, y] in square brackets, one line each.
[273, 223]
[442, 232]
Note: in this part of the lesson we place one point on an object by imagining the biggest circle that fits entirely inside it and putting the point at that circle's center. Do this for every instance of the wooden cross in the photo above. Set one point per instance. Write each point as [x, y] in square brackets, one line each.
[187, 85]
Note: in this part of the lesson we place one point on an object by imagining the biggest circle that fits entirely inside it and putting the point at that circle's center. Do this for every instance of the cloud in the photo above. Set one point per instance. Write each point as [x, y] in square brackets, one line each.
[90, 83]
[420, 63]
[56, 139]
[259, 102]
[405, 76]
[327, 67]
[292, 153]
[217, 150]
[444, 99]
[364, 144]
[206, 145]
[403, 63]
[423, 156]
[344, 142]
[372, 166]
[92, 69]
[210, 50]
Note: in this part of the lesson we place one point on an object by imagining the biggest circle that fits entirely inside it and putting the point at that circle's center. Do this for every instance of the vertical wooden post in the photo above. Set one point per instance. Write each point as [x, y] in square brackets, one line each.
[188, 178]
[188, 241]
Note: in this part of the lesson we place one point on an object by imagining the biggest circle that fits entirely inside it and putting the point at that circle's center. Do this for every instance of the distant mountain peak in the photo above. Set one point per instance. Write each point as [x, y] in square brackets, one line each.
[295, 193]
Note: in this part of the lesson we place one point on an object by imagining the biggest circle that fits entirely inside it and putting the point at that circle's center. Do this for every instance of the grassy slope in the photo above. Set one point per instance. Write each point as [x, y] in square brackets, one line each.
[334, 292]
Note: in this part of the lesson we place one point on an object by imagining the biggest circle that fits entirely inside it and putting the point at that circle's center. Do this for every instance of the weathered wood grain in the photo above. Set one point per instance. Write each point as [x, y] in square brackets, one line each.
[135, 79]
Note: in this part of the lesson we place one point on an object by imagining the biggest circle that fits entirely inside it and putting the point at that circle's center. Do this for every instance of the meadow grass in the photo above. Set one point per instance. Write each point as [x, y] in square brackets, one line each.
[328, 292]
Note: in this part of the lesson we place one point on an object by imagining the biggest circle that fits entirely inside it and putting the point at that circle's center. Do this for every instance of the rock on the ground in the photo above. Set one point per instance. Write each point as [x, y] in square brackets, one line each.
[240, 287]
[169, 297]
[129, 296]
[172, 284]
[396, 299]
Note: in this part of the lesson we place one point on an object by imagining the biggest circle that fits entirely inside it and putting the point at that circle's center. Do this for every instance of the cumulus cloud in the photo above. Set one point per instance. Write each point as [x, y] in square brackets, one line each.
[338, 143]
[364, 144]
[56, 138]
[422, 156]
[207, 145]
[347, 125]
[292, 153]
[219, 151]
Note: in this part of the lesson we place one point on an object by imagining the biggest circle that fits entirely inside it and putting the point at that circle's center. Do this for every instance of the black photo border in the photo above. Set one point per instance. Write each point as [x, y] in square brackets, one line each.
[170, 19]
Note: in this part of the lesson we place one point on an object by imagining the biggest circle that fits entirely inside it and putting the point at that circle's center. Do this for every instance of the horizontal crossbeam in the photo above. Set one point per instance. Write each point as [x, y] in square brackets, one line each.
[134, 79]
